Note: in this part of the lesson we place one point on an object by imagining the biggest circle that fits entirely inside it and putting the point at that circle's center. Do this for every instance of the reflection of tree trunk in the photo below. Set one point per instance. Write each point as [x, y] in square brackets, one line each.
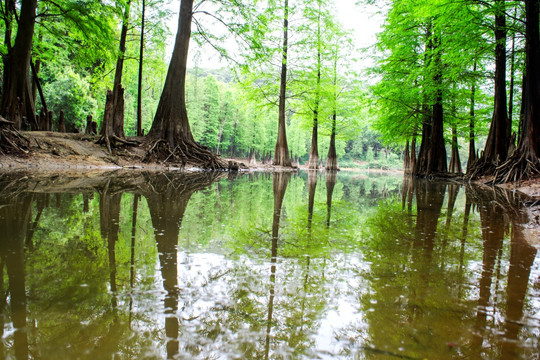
[464, 237]
[132, 261]
[493, 229]
[312, 186]
[522, 257]
[14, 219]
[167, 203]
[109, 211]
[33, 226]
[331, 179]
[453, 191]
[429, 201]
[280, 181]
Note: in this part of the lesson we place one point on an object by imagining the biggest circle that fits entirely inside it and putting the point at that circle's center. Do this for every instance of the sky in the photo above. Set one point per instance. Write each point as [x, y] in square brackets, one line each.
[364, 22]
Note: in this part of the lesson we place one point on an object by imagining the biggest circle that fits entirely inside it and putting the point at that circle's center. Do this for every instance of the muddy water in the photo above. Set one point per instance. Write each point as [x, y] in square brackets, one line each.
[262, 266]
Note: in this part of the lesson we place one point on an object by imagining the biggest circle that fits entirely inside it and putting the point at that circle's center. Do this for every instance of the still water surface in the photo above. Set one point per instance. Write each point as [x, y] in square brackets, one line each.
[263, 266]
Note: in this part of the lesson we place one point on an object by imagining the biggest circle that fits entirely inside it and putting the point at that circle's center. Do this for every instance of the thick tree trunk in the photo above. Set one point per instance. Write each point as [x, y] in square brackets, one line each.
[496, 149]
[139, 84]
[17, 98]
[281, 153]
[436, 162]
[118, 90]
[331, 158]
[525, 162]
[170, 132]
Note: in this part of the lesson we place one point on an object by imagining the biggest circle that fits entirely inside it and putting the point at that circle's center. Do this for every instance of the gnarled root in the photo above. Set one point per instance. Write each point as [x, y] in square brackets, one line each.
[186, 152]
[12, 141]
[520, 166]
[114, 142]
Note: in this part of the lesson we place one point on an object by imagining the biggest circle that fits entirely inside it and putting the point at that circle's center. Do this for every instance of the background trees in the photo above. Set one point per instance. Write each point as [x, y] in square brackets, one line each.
[449, 78]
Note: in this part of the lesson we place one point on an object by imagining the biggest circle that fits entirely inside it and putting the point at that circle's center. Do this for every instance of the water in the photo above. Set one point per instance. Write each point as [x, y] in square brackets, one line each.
[262, 266]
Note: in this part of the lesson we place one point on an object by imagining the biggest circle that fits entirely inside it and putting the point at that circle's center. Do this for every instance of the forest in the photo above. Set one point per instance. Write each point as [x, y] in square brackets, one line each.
[453, 88]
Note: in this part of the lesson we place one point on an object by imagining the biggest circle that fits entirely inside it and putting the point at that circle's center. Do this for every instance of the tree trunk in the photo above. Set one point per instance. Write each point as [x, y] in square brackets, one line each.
[313, 162]
[118, 90]
[407, 159]
[525, 161]
[17, 98]
[331, 158]
[472, 148]
[139, 85]
[61, 122]
[436, 161]
[281, 153]
[496, 149]
[455, 162]
[170, 129]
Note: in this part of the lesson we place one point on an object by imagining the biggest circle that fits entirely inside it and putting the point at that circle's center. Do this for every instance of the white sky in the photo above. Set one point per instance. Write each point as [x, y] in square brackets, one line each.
[362, 20]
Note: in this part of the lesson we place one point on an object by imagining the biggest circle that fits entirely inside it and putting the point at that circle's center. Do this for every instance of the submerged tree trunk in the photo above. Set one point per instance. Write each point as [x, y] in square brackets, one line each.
[17, 100]
[281, 153]
[170, 135]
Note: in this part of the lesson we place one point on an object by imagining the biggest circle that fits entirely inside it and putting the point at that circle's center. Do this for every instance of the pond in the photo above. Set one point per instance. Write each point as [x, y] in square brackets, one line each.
[263, 266]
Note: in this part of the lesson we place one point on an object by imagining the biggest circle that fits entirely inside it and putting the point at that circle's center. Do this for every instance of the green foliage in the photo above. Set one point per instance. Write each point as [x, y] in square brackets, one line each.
[71, 93]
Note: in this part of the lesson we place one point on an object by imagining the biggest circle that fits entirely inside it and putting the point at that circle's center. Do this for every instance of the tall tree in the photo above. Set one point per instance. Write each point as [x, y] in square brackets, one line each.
[313, 162]
[281, 152]
[525, 161]
[498, 141]
[170, 134]
[139, 83]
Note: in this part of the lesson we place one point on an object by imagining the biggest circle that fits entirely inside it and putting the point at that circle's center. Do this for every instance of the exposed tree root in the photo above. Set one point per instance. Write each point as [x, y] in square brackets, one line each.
[186, 152]
[114, 141]
[520, 166]
[12, 141]
[481, 167]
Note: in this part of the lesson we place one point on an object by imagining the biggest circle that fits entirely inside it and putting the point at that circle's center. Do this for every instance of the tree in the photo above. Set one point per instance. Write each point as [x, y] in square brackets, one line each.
[17, 100]
[281, 152]
[498, 141]
[524, 163]
[170, 134]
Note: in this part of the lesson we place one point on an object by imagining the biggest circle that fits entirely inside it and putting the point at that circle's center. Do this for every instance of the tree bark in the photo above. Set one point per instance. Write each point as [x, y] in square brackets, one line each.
[496, 149]
[281, 153]
[436, 162]
[118, 91]
[17, 98]
[525, 161]
[170, 127]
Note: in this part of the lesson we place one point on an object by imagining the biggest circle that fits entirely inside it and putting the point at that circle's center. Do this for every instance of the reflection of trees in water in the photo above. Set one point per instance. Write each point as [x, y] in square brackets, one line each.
[15, 215]
[167, 202]
[420, 283]
[331, 179]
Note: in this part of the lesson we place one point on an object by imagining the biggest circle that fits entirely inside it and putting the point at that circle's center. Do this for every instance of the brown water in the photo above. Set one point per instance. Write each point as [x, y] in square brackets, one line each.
[262, 266]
